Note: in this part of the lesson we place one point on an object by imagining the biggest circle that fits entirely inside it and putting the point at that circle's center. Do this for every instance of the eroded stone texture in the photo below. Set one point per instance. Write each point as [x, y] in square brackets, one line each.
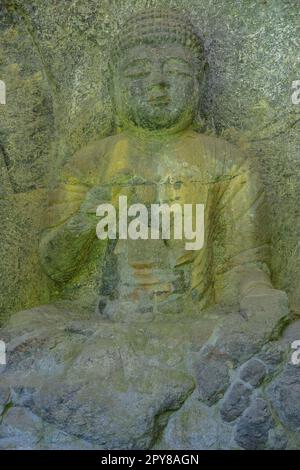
[212, 375]
[253, 372]
[64, 47]
[256, 419]
[84, 382]
[112, 385]
[22, 280]
[236, 400]
[77, 380]
[254, 425]
[196, 426]
[285, 395]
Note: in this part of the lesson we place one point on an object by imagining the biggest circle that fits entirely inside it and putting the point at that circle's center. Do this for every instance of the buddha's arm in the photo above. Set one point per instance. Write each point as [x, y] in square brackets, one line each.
[70, 220]
[233, 265]
[244, 237]
[70, 232]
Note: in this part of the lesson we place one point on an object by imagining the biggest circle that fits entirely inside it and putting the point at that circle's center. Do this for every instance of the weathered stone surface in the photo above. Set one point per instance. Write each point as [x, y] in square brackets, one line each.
[284, 394]
[272, 355]
[84, 382]
[236, 400]
[212, 375]
[292, 332]
[253, 372]
[195, 426]
[55, 66]
[108, 384]
[26, 285]
[238, 337]
[234, 341]
[253, 427]
[21, 429]
[53, 58]
[278, 438]
[257, 423]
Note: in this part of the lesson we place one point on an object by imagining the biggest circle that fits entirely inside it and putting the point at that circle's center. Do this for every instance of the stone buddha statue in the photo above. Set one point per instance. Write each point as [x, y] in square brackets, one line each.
[184, 320]
[158, 68]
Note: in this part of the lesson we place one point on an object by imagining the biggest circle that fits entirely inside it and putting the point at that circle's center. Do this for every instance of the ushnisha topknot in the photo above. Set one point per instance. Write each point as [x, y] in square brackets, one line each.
[158, 27]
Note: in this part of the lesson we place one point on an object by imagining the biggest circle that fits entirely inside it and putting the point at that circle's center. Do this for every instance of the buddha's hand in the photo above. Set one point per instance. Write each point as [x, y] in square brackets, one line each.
[264, 301]
[94, 197]
[86, 220]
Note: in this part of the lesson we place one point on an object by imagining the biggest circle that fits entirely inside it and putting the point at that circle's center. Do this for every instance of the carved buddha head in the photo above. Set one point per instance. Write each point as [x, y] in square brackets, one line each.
[158, 70]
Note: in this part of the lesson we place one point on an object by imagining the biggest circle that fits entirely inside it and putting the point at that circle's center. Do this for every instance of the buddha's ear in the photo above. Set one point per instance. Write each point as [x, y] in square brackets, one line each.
[203, 70]
[111, 77]
[202, 75]
[114, 90]
[113, 83]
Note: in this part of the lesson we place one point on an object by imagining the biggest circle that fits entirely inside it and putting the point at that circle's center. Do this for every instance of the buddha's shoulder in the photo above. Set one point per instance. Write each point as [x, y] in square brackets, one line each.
[215, 145]
[218, 150]
[92, 156]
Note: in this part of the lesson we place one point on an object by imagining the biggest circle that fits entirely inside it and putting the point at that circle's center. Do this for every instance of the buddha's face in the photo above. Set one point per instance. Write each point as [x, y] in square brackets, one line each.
[157, 87]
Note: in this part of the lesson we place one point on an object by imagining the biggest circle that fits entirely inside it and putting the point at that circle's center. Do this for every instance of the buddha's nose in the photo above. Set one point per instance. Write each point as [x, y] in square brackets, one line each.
[158, 80]
[158, 89]
[159, 86]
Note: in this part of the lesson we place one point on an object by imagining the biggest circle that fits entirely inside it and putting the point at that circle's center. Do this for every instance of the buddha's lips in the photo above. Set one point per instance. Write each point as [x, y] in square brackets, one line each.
[159, 100]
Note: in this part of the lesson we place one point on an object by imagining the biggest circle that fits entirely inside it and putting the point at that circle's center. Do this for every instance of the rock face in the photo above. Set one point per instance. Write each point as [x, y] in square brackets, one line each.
[102, 384]
[220, 381]
[259, 409]
[54, 62]
[88, 383]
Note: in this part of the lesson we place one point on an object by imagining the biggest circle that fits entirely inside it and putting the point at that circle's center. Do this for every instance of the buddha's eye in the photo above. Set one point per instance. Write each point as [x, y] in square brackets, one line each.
[136, 73]
[177, 67]
[137, 69]
[174, 71]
